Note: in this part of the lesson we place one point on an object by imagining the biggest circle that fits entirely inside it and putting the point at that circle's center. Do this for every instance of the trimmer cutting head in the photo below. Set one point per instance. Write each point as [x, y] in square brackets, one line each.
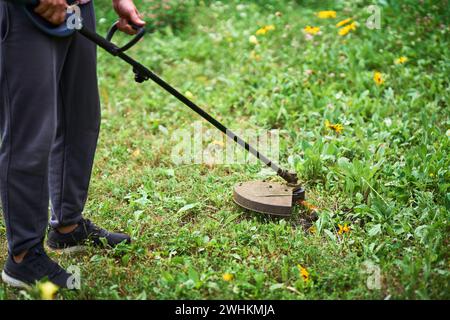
[268, 197]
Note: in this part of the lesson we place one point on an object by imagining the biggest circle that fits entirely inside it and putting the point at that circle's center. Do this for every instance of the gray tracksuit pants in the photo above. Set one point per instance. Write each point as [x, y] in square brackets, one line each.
[49, 125]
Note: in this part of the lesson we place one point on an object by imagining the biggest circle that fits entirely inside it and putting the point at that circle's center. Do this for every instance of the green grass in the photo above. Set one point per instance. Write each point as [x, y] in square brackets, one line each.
[387, 175]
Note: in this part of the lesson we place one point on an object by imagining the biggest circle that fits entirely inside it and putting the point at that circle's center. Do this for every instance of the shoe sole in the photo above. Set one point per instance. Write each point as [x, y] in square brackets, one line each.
[13, 282]
[70, 250]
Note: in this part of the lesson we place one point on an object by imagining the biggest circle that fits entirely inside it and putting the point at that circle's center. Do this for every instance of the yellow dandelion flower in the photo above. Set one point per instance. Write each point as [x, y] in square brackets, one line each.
[47, 290]
[227, 277]
[345, 30]
[261, 31]
[253, 40]
[311, 30]
[401, 60]
[343, 229]
[264, 30]
[312, 229]
[327, 14]
[303, 273]
[338, 128]
[343, 22]
[378, 78]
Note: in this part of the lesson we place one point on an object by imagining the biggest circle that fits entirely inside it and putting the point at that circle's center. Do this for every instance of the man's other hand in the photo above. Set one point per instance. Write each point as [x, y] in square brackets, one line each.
[127, 12]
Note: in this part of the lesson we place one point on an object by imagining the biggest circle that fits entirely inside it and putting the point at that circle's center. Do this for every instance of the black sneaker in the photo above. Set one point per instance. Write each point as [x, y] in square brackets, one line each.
[85, 233]
[35, 266]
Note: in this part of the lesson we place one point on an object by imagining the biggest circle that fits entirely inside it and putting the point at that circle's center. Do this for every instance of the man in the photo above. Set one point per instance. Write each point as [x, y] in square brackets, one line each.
[49, 122]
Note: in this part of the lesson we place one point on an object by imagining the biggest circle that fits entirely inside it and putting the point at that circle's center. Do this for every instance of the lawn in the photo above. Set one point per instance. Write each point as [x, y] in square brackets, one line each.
[364, 119]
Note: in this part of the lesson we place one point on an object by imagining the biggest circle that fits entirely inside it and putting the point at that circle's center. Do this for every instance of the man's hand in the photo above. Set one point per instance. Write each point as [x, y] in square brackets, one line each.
[53, 11]
[127, 14]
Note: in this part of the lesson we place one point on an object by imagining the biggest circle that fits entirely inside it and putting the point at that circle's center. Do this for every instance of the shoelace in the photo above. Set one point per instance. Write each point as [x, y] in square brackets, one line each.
[91, 228]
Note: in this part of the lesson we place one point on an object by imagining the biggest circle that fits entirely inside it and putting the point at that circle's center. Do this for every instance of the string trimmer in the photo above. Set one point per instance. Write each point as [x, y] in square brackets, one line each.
[260, 196]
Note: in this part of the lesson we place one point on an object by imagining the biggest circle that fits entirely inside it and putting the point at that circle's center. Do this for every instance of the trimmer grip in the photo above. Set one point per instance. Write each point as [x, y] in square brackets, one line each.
[138, 36]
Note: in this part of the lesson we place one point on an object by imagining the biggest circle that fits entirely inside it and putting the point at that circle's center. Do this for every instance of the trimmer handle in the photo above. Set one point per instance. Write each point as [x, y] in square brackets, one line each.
[140, 33]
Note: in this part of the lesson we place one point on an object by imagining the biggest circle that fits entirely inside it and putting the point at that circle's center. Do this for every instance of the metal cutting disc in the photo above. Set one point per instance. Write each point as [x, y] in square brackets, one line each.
[267, 197]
